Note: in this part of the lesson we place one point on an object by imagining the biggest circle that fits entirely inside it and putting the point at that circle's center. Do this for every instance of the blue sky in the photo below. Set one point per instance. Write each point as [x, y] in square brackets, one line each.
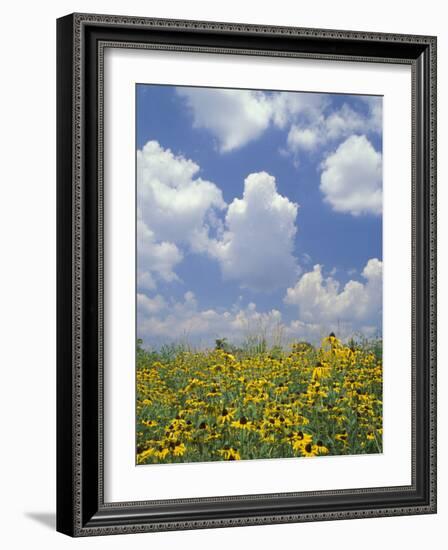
[257, 211]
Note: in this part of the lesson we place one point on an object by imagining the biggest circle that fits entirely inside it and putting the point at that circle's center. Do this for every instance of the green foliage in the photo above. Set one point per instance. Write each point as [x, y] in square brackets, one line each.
[255, 344]
[167, 353]
[258, 401]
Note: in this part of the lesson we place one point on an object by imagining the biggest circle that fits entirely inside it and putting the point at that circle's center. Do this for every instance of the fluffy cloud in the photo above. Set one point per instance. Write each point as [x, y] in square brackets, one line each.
[234, 117]
[155, 259]
[322, 301]
[174, 208]
[375, 109]
[172, 201]
[306, 138]
[185, 321]
[322, 306]
[256, 248]
[150, 306]
[351, 179]
[287, 107]
[318, 130]
[178, 211]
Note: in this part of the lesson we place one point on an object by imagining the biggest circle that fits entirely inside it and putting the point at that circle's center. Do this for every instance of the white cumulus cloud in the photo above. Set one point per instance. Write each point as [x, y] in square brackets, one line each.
[184, 320]
[172, 201]
[288, 106]
[234, 117]
[306, 138]
[321, 299]
[322, 305]
[174, 208]
[147, 305]
[320, 129]
[257, 244]
[351, 179]
[155, 259]
[375, 108]
[178, 212]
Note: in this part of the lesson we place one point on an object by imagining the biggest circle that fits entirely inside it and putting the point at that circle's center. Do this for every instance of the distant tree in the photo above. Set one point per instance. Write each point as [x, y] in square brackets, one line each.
[221, 344]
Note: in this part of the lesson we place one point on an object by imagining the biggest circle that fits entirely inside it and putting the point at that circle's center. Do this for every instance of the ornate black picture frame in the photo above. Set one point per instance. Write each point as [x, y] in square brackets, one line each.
[81, 508]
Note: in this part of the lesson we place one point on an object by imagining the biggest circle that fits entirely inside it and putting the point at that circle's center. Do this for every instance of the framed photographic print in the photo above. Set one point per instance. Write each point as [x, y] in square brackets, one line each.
[246, 274]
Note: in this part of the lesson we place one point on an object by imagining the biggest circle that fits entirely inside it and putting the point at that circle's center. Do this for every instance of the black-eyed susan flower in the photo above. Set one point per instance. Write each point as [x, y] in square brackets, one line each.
[149, 423]
[333, 391]
[320, 449]
[144, 455]
[214, 392]
[300, 440]
[308, 450]
[178, 449]
[229, 453]
[342, 437]
[320, 371]
[161, 452]
[242, 423]
[226, 415]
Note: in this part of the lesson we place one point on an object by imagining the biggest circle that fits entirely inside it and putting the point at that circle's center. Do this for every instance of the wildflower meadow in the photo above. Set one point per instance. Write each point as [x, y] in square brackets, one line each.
[235, 404]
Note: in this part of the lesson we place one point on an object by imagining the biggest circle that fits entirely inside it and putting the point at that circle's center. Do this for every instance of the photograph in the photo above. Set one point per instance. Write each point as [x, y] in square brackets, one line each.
[222, 258]
[246, 274]
[259, 274]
